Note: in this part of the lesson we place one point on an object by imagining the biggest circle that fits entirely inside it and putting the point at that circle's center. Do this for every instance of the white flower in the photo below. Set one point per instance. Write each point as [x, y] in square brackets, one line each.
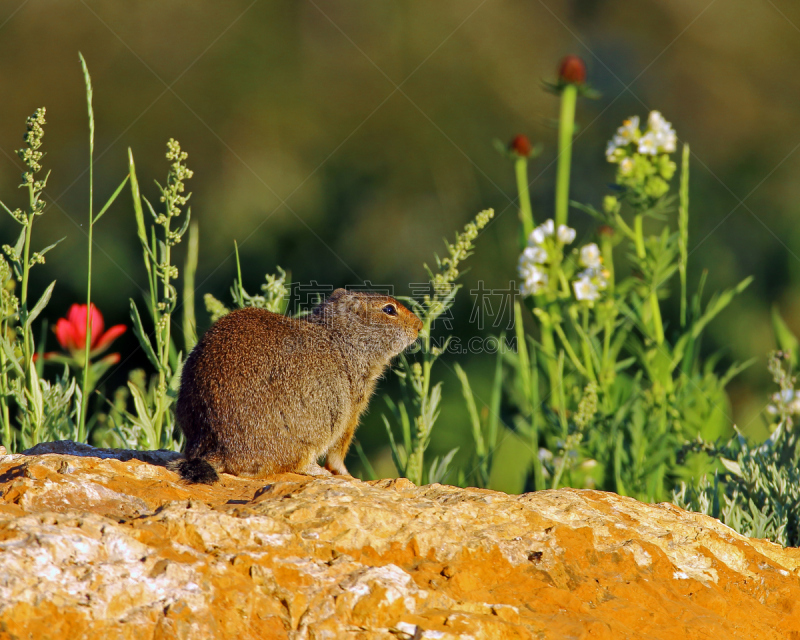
[565, 234]
[533, 279]
[664, 135]
[534, 254]
[537, 237]
[667, 141]
[772, 409]
[541, 232]
[598, 276]
[585, 289]
[656, 122]
[648, 144]
[626, 166]
[789, 398]
[627, 132]
[590, 256]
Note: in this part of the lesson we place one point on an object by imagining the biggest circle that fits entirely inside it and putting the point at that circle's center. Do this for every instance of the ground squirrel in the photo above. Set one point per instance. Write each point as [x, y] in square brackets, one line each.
[263, 393]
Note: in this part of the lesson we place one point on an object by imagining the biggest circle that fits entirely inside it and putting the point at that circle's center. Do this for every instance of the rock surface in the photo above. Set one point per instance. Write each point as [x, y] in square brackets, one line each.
[108, 544]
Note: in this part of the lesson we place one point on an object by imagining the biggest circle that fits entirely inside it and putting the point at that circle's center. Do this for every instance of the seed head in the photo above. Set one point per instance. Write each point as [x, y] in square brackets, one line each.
[572, 70]
[521, 146]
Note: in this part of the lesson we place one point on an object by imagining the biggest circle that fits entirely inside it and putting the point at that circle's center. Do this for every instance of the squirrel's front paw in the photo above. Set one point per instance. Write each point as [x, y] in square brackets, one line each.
[313, 469]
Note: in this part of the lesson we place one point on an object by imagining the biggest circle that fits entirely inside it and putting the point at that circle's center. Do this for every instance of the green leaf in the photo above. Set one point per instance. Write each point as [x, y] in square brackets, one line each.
[371, 475]
[717, 303]
[475, 421]
[144, 340]
[185, 225]
[731, 466]
[786, 340]
[20, 244]
[12, 359]
[52, 246]
[111, 199]
[9, 211]
[40, 305]
[137, 200]
[397, 456]
[150, 208]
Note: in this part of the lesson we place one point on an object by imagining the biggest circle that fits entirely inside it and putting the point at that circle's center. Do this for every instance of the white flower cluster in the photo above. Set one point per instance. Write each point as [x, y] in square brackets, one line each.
[593, 279]
[660, 137]
[537, 254]
[788, 398]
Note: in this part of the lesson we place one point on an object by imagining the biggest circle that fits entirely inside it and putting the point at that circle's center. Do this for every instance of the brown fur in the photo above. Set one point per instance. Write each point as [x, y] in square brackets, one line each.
[263, 393]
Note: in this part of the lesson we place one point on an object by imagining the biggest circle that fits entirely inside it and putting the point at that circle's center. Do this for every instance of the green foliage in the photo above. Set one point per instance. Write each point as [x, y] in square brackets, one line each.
[601, 393]
[42, 409]
[274, 294]
[484, 424]
[757, 491]
[418, 411]
[153, 400]
[90, 375]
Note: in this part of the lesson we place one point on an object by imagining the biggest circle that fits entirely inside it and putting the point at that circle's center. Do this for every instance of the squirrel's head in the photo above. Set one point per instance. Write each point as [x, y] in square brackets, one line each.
[372, 321]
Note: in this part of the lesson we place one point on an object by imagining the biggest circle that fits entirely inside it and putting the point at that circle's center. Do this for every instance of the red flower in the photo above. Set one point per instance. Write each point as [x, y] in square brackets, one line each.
[521, 146]
[572, 70]
[71, 333]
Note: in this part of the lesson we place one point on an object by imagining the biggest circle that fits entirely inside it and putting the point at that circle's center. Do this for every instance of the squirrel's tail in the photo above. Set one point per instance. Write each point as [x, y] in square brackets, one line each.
[194, 470]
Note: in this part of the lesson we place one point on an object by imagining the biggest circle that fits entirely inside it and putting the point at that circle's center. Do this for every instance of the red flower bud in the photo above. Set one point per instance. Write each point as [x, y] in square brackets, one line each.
[572, 70]
[521, 146]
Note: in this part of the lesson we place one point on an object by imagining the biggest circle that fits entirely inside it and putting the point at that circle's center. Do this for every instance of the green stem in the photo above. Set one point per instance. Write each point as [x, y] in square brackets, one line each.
[683, 229]
[88, 340]
[538, 474]
[166, 320]
[525, 210]
[639, 236]
[658, 327]
[571, 353]
[607, 367]
[549, 348]
[566, 129]
[607, 371]
[3, 393]
[27, 338]
[586, 345]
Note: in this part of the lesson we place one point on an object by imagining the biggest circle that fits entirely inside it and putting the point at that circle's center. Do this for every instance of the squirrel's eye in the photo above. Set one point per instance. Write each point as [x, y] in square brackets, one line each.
[390, 310]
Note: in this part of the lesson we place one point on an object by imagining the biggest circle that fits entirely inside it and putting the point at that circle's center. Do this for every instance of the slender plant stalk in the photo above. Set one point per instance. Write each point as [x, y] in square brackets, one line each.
[27, 337]
[639, 236]
[529, 374]
[88, 340]
[683, 229]
[549, 349]
[4, 411]
[566, 129]
[190, 269]
[655, 309]
[525, 210]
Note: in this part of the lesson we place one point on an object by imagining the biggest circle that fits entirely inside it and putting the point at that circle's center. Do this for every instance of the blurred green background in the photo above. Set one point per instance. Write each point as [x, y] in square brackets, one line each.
[343, 140]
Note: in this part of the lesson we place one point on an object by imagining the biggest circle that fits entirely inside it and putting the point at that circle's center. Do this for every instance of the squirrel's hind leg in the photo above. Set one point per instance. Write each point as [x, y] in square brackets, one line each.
[194, 470]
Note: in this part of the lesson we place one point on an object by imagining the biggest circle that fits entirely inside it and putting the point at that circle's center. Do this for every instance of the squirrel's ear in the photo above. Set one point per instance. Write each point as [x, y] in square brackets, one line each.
[338, 293]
